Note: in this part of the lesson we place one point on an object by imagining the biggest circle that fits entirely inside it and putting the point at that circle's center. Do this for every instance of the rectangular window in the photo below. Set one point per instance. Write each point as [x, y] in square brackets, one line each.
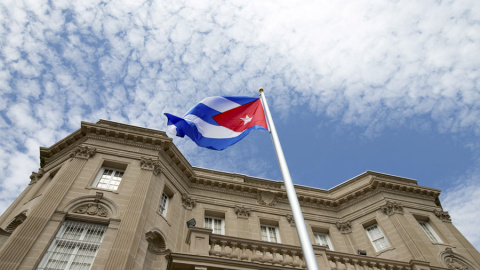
[430, 232]
[108, 178]
[270, 233]
[216, 224]
[377, 237]
[74, 247]
[162, 208]
[323, 239]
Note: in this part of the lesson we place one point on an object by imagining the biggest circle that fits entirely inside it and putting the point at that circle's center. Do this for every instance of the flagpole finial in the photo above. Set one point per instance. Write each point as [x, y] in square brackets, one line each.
[260, 90]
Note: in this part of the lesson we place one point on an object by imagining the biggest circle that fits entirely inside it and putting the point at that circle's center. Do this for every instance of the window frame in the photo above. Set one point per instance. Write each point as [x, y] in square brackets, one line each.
[373, 241]
[100, 173]
[316, 236]
[222, 222]
[63, 240]
[277, 233]
[164, 211]
[431, 234]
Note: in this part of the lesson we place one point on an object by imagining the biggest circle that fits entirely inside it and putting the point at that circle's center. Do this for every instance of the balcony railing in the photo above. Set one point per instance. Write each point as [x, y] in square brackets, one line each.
[241, 251]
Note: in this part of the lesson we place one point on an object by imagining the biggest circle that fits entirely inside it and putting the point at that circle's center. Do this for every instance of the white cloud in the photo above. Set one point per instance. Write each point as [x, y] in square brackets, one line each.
[462, 203]
[368, 63]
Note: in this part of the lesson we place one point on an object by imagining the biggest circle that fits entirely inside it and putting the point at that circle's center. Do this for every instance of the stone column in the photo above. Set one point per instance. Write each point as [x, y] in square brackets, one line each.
[126, 243]
[22, 239]
[395, 211]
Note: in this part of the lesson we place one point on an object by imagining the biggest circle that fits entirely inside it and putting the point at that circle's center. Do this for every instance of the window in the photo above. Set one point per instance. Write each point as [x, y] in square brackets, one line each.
[270, 233]
[108, 178]
[377, 237]
[322, 239]
[430, 232]
[216, 224]
[162, 208]
[74, 247]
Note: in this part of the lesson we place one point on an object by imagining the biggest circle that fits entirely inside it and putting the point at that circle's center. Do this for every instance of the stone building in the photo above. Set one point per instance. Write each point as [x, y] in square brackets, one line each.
[115, 196]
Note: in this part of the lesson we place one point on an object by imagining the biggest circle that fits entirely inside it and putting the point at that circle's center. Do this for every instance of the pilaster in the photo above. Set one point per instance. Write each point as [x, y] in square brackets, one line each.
[346, 229]
[126, 243]
[395, 212]
[25, 235]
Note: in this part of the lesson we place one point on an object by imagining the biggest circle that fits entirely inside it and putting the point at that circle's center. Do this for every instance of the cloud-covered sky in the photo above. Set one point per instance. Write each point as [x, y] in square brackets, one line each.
[391, 86]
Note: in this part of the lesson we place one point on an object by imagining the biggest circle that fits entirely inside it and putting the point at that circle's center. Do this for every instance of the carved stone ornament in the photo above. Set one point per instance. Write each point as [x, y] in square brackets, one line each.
[242, 211]
[266, 198]
[290, 219]
[344, 227]
[391, 208]
[156, 243]
[36, 176]
[150, 165]
[83, 152]
[188, 202]
[454, 262]
[442, 215]
[93, 209]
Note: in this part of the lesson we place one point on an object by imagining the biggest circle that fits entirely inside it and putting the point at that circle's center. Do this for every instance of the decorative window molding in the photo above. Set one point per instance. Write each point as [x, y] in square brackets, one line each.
[93, 209]
[323, 239]
[377, 238]
[270, 233]
[108, 178]
[430, 232]
[391, 208]
[163, 206]
[83, 152]
[344, 227]
[216, 224]
[75, 246]
[242, 212]
[188, 202]
[156, 242]
[17, 220]
[455, 261]
[98, 201]
[442, 215]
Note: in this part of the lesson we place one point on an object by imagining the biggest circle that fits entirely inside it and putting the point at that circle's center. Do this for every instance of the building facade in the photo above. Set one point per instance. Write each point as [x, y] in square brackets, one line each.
[115, 196]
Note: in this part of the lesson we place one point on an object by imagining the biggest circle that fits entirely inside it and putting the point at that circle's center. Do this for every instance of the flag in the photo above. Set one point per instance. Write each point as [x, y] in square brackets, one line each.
[219, 122]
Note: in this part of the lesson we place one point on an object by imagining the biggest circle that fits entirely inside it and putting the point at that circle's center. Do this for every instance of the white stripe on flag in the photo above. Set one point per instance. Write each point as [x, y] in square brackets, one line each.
[220, 104]
[211, 131]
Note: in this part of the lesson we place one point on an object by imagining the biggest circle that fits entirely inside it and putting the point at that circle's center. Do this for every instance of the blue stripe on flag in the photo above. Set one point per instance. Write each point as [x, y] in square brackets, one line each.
[204, 112]
[241, 100]
[188, 128]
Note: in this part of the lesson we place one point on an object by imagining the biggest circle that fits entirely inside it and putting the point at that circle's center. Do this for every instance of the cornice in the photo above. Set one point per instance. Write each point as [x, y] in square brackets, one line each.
[322, 200]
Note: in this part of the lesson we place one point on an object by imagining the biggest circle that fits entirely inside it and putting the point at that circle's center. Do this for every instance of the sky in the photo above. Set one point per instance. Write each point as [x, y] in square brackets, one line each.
[387, 86]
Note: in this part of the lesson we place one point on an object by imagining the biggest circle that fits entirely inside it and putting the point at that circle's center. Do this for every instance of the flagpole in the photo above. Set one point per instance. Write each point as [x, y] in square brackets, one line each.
[307, 247]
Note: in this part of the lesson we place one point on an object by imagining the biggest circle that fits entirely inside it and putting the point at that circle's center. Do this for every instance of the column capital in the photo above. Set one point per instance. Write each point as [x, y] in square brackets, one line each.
[83, 152]
[344, 227]
[150, 164]
[391, 208]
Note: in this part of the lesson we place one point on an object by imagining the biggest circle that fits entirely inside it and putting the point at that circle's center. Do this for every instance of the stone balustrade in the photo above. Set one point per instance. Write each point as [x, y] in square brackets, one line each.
[256, 251]
[267, 255]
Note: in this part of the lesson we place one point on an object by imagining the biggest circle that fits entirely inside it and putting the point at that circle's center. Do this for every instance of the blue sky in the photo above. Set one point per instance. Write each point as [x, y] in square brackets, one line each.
[389, 86]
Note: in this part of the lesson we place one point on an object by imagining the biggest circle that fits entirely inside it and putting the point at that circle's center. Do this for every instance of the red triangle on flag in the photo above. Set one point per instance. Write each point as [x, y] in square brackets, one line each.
[243, 117]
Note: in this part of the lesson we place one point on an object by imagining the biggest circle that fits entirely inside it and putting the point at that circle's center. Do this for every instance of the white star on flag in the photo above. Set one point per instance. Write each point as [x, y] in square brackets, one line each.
[246, 119]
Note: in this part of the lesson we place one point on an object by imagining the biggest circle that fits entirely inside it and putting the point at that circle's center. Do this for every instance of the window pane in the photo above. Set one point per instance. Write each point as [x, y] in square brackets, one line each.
[264, 233]
[110, 179]
[74, 247]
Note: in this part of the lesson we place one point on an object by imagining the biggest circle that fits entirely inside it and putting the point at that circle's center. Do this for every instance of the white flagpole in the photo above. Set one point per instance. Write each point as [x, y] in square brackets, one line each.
[307, 248]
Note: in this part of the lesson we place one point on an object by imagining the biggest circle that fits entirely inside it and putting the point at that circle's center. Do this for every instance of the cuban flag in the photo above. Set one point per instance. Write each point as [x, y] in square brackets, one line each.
[218, 122]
